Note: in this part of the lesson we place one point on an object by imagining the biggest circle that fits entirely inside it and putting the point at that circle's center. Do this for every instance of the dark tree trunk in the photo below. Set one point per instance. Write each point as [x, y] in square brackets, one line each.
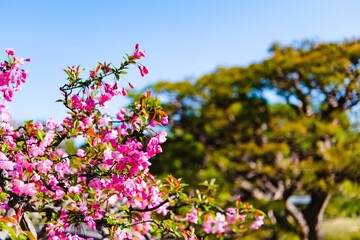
[311, 217]
[313, 214]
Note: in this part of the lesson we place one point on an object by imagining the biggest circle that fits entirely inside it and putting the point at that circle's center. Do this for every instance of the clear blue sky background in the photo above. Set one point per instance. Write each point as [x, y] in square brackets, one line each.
[183, 39]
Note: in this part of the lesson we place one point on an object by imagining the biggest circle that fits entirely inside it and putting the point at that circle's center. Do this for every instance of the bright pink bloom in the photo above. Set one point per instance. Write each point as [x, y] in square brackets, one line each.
[44, 166]
[143, 70]
[164, 120]
[152, 123]
[24, 74]
[19, 187]
[104, 98]
[138, 54]
[7, 165]
[9, 51]
[121, 114]
[8, 94]
[36, 151]
[123, 92]
[77, 102]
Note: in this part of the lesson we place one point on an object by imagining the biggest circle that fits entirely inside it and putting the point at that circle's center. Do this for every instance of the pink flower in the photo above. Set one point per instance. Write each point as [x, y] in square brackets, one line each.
[162, 137]
[138, 54]
[121, 114]
[192, 216]
[3, 157]
[44, 166]
[164, 120]
[4, 113]
[259, 221]
[9, 51]
[123, 92]
[215, 226]
[104, 98]
[80, 153]
[8, 94]
[24, 74]
[152, 123]
[90, 222]
[113, 90]
[122, 234]
[59, 194]
[76, 102]
[75, 189]
[231, 215]
[50, 124]
[143, 70]
[208, 223]
[19, 187]
[7, 165]
[122, 130]
[36, 151]
[89, 103]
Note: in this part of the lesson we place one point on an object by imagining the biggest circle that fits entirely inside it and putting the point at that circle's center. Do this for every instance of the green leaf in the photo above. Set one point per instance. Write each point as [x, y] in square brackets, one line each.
[4, 147]
[76, 123]
[40, 134]
[10, 230]
[77, 197]
[3, 195]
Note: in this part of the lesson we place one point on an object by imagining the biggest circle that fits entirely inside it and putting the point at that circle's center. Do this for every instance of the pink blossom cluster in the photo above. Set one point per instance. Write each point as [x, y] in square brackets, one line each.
[11, 78]
[107, 182]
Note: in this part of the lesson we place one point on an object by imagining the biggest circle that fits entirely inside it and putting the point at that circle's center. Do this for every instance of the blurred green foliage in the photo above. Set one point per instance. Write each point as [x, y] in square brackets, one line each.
[281, 127]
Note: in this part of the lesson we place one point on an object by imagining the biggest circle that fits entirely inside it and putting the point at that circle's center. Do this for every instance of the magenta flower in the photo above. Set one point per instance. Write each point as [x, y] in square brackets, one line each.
[9, 51]
[164, 120]
[143, 70]
[138, 54]
[152, 123]
[121, 114]
[19, 187]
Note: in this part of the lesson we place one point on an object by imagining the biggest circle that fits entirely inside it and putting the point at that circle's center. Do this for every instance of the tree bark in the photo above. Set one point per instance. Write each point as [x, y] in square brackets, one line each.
[311, 217]
[314, 213]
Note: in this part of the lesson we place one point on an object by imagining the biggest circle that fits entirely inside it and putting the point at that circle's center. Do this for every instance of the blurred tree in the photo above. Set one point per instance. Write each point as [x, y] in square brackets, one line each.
[226, 126]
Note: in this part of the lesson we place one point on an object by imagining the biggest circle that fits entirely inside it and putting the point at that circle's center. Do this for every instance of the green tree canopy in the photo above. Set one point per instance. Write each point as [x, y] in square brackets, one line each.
[225, 126]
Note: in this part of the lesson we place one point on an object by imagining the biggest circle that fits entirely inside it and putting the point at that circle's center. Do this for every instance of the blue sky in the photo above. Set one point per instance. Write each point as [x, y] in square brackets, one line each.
[183, 39]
